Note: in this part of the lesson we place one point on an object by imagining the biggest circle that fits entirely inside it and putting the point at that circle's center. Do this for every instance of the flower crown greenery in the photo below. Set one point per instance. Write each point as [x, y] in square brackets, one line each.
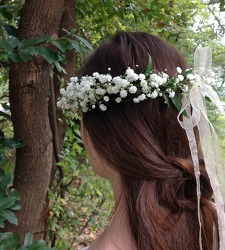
[90, 92]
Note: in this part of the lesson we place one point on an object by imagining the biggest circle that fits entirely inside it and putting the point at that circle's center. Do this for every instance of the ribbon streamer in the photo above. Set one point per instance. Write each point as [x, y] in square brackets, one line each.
[194, 106]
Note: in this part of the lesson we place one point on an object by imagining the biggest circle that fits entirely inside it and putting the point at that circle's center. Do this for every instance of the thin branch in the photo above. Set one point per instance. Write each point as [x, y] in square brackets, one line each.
[218, 20]
[55, 134]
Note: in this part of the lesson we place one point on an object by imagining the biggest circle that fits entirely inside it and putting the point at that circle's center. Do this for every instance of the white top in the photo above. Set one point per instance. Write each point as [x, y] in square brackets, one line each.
[86, 248]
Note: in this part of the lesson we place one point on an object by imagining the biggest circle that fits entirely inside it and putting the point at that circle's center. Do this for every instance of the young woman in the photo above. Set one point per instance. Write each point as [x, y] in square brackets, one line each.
[133, 138]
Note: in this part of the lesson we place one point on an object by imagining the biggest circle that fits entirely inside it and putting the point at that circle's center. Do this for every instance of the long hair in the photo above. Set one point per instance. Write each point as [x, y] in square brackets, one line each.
[146, 145]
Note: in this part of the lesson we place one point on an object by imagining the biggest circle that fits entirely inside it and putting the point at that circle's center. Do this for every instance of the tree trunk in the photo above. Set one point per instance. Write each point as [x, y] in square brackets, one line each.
[57, 121]
[68, 22]
[28, 92]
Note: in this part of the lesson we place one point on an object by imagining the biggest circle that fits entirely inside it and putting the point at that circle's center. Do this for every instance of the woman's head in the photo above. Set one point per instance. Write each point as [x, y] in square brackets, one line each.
[145, 144]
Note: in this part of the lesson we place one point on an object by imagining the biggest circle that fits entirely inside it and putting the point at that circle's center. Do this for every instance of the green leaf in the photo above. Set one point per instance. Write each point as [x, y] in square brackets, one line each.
[149, 66]
[11, 30]
[5, 115]
[6, 203]
[33, 41]
[186, 72]
[14, 57]
[2, 225]
[6, 46]
[73, 45]
[9, 241]
[165, 97]
[25, 55]
[13, 41]
[176, 100]
[5, 106]
[7, 14]
[16, 207]
[28, 239]
[14, 143]
[60, 44]
[10, 216]
[5, 180]
[59, 67]
[49, 55]
[85, 42]
[13, 193]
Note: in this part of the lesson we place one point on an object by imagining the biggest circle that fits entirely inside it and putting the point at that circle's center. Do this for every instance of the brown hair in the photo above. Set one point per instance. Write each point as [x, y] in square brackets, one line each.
[147, 146]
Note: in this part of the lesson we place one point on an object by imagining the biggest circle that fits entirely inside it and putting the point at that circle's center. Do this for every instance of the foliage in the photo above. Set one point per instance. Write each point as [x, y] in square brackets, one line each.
[44, 46]
[11, 241]
[9, 198]
[88, 199]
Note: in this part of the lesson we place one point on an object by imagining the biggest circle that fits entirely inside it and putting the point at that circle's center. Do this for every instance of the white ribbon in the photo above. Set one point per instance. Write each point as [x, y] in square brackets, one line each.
[194, 106]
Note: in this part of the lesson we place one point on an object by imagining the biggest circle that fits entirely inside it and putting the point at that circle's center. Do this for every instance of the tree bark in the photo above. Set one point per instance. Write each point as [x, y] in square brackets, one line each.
[28, 93]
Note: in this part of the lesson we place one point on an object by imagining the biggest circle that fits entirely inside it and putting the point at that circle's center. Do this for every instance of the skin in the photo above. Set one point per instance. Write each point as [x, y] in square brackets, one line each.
[116, 235]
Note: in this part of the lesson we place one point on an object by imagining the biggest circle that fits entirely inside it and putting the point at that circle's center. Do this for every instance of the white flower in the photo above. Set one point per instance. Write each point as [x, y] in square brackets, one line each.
[74, 79]
[172, 94]
[100, 91]
[185, 88]
[87, 87]
[59, 103]
[95, 75]
[136, 100]
[83, 104]
[160, 80]
[62, 91]
[109, 90]
[102, 107]
[123, 93]
[118, 99]
[179, 70]
[115, 89]
[125, 83]
[153, 77]
[133, 89]
[141, 77]
[180, 77]
[129, 71]
[106, 98]
[142, 97]
[84, 109]
[143, 83]
[154, 94]
[165, 76]
[117, 79]
[105, 78]
[190, 77]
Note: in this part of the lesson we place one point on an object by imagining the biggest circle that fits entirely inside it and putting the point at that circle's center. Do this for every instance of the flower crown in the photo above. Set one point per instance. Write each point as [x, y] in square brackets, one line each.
[97, 90]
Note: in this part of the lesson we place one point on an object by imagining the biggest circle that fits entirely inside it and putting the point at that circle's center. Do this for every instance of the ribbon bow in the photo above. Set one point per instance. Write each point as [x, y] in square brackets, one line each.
[194, 106]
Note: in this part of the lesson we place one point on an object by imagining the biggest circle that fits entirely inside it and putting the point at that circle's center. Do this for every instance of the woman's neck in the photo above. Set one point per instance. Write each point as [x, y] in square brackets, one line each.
[117, 235]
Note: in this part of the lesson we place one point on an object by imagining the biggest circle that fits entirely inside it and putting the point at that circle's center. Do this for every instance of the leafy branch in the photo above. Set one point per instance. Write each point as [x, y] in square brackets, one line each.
[51, 48]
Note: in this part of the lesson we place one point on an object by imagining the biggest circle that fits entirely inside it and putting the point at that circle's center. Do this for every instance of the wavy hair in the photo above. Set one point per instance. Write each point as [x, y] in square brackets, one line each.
[146, 145]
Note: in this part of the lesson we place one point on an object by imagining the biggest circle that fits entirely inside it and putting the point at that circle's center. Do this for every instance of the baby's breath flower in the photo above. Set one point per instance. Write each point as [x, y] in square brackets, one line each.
[136, 100]
[171, 94]
[141, 77]
[180, 77]
[118, 99]
[89, 91]
[133, 89]
[74, 79]
[96, 74]
[179, 70]
[123, 93]
[102, 107]
[106, 98]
